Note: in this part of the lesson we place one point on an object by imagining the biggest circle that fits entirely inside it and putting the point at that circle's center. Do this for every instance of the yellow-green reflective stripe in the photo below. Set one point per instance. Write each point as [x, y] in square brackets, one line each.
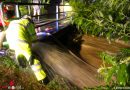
[38, 70]
[36, 67]
[38, 64]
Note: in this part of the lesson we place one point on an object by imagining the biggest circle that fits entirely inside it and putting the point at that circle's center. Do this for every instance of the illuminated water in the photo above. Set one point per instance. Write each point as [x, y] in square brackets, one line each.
[64, 63]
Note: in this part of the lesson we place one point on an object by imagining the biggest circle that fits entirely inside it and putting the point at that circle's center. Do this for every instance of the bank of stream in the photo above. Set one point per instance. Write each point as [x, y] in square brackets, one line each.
[70, 58]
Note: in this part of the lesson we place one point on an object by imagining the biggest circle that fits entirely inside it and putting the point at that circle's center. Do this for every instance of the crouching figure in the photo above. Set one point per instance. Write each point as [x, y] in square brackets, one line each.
[20, 35]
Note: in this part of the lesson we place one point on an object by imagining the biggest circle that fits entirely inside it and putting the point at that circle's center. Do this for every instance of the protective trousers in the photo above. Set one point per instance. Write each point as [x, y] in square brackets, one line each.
[23, 51]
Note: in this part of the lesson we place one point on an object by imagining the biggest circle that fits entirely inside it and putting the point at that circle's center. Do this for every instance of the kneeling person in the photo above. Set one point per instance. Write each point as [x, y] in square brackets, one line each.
[20, 34]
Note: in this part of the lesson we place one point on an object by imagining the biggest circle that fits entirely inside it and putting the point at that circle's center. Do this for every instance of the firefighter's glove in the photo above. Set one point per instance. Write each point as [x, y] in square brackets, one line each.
[22, 61]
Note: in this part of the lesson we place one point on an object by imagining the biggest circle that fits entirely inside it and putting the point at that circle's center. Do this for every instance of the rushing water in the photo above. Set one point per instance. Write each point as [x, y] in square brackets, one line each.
[64, 63]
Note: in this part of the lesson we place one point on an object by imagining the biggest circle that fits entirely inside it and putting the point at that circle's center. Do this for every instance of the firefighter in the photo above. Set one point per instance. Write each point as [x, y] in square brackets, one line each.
[5, 18]
[20, 34]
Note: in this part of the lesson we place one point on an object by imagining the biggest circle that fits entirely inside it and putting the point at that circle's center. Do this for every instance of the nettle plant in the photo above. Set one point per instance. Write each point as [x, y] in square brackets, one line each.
[118, 70]
[107, 18]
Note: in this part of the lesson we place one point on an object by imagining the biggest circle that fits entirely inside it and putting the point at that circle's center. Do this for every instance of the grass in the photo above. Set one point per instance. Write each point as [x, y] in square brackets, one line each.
[25, 79]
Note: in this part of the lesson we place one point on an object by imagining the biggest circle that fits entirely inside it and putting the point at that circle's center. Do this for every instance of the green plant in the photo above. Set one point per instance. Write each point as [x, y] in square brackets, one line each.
[118, 70]
[106, 87]
[8, 62]
[106, 18]
[23, 10]
[59, 83]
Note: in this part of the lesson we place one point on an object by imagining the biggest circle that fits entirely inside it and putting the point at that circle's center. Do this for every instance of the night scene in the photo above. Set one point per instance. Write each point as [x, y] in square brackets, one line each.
[64, 45]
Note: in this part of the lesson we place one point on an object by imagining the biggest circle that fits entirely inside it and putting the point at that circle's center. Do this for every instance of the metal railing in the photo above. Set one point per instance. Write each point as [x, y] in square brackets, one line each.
[17, 4]
[39, 24]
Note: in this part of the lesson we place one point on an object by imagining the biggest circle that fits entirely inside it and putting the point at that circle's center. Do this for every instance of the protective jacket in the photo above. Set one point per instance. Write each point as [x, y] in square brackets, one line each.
[20, 34]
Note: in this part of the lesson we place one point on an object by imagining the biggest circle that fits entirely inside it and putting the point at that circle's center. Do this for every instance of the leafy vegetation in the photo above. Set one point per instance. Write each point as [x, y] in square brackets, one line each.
[23, 78]
[107, 18]
[118, 71]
